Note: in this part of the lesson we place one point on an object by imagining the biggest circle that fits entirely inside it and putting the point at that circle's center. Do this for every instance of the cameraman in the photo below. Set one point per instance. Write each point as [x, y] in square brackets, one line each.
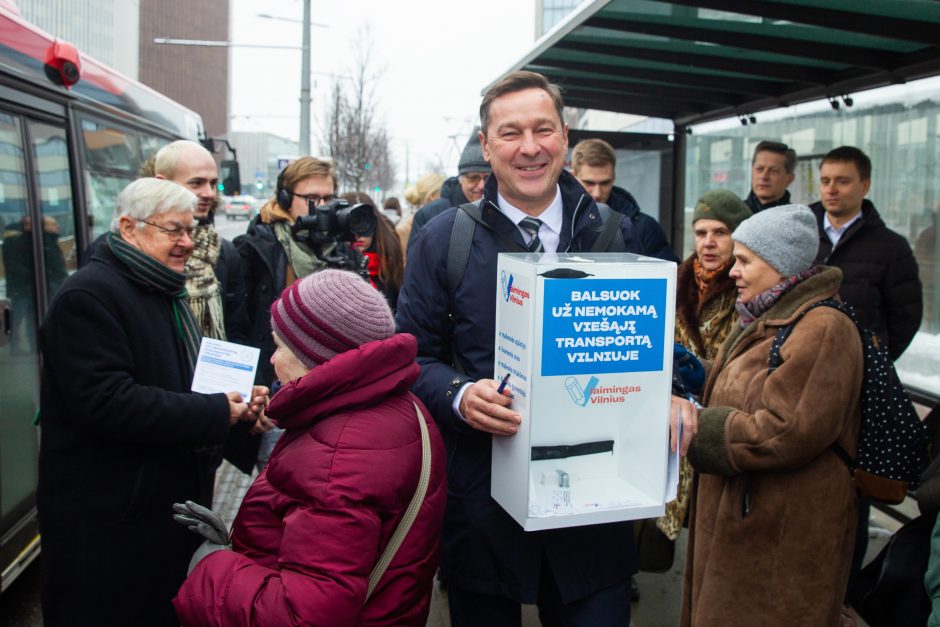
[273, 258]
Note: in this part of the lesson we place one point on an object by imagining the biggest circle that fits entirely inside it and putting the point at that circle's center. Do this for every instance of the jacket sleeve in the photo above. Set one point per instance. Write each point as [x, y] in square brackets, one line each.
[903, 302]
[424, 311]
[235, 295]
[102, 394]
[329, 545]
[802, 403]
[653, 240]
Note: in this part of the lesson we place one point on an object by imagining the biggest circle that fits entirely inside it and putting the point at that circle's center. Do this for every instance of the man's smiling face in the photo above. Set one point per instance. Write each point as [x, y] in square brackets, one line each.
[525, 142]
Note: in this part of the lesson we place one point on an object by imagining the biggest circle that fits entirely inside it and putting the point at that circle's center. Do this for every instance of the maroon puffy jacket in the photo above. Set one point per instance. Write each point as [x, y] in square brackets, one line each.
[316, 520]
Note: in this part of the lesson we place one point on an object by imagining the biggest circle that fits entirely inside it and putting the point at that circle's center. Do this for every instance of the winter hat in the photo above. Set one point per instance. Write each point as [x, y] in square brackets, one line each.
[330, 312]
[785, 237]
[721, 205]
[471, 159]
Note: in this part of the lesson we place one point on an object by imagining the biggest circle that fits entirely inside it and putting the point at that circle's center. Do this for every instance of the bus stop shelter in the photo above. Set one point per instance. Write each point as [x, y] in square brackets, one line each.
[694, 61]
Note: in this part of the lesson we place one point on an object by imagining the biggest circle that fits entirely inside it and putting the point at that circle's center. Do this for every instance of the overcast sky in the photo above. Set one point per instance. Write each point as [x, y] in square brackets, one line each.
[437, 56]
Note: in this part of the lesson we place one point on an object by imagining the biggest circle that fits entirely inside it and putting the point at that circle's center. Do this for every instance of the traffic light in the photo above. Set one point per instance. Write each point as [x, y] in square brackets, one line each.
[259, 184]
[377, 190]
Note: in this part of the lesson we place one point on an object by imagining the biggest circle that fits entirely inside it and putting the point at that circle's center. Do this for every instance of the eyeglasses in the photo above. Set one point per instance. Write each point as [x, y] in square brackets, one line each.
[473, 179]
[316, 199]
[176, 233]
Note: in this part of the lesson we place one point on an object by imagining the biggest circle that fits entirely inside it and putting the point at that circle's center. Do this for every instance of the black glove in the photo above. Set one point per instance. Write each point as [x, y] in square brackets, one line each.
[691, 371]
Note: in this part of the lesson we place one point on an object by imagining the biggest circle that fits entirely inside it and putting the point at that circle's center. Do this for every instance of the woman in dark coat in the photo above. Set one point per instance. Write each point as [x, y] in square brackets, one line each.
[313, 525]
[773, 506]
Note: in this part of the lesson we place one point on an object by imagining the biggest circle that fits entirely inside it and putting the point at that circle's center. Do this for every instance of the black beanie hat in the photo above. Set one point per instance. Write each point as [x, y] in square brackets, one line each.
[471, 159]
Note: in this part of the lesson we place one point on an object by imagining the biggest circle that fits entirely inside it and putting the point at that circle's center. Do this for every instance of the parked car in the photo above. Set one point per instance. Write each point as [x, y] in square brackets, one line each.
[236, 207]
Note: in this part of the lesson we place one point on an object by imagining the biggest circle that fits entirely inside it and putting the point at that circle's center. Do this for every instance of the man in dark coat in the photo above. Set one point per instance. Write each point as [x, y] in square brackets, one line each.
[879, 271]
[467, 186]
[122, 436]
[577, 575]
[594, 164]
[772, 170]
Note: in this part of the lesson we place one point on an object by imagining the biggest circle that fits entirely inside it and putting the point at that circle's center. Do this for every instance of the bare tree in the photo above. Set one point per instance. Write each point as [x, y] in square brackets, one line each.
[355, 137]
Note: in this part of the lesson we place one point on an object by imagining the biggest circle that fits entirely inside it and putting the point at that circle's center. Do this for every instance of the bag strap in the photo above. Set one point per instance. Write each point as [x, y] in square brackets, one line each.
[458, 250]
[611, 221]
[411, 513]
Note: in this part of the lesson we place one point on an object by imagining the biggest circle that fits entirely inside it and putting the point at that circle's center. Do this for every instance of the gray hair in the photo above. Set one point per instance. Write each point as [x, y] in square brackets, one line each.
[166, 158]
[146, 197]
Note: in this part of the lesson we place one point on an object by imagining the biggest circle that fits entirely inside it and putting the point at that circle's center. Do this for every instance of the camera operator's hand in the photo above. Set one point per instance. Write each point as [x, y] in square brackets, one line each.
[487, 410]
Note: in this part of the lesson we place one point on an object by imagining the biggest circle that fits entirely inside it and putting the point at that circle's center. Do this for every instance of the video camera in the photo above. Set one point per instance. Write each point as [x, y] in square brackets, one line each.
[330, 227]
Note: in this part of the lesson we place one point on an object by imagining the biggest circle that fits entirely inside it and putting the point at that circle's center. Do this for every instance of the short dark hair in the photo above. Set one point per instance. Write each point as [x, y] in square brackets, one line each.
[518, 81]
[789, 155]
[853, 154]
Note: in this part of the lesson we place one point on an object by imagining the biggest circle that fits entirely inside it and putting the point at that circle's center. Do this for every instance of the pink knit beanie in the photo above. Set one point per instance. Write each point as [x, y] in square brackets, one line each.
[330, 312]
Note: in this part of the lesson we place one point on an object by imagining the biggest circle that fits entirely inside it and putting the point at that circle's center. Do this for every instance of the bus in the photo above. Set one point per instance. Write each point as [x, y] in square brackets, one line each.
[73, 133]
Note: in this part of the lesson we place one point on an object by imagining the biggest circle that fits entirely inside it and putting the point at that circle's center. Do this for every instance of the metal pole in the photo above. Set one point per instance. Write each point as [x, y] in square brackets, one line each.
[305, 85]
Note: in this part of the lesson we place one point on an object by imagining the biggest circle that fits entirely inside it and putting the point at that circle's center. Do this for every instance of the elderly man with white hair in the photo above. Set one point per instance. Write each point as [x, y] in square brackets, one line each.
[122, 436]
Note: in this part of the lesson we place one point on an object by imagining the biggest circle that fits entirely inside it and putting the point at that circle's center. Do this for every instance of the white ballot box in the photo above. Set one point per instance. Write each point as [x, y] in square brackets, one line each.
[587, 342]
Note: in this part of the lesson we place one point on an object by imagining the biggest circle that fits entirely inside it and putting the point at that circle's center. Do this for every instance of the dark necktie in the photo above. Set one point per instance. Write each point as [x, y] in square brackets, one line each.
[531, 226]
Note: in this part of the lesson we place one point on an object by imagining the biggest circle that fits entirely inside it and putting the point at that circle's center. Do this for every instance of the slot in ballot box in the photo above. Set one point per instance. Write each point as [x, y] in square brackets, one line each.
[587, 341]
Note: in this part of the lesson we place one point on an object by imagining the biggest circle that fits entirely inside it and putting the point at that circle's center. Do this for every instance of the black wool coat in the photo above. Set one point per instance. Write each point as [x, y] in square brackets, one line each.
[121, 440]
[879, 276]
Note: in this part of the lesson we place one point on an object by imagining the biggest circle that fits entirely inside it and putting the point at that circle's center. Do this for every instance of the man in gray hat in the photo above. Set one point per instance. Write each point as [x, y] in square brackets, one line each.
[467, 186]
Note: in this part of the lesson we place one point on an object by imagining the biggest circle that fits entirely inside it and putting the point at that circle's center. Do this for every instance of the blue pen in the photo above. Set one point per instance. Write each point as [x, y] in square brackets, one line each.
[502, 384]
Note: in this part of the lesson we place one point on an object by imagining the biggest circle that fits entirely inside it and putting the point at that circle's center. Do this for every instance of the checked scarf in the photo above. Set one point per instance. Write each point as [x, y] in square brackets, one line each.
[202, 286]
[149, 272]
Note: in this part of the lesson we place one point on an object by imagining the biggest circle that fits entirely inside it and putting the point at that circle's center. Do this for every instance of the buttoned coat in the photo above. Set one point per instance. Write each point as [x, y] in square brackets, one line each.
[774, 508]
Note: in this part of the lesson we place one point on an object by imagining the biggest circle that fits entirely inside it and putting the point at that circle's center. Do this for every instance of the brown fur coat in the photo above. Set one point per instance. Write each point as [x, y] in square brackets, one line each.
[774, 510]
[703, 324]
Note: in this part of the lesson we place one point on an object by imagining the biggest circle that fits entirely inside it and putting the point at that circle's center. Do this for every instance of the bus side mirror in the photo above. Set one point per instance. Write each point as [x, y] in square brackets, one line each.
[230, 180]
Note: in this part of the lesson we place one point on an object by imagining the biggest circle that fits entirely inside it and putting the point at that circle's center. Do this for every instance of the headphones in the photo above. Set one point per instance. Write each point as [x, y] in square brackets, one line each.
[285, 197]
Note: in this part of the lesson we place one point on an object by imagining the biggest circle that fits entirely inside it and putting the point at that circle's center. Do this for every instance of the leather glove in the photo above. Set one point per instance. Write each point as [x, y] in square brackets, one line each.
[203, 521]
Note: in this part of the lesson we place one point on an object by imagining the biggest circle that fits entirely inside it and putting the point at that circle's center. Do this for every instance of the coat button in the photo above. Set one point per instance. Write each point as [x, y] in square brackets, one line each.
[455, 381]
[449, 393]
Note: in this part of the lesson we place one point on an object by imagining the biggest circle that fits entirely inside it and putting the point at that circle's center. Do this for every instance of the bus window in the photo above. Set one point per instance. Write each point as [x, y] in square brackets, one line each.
[19, 355]
[51, 160]
[112, 159]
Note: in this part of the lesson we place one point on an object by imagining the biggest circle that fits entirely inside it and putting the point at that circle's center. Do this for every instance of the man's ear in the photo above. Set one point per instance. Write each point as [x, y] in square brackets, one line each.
[482, 138]
[127, 227]
[161, 177]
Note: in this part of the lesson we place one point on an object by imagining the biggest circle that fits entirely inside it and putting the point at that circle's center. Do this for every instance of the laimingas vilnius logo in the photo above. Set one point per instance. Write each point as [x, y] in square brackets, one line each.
[595, 393]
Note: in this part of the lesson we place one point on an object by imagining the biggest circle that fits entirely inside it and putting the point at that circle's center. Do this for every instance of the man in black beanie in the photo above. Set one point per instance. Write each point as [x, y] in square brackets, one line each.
[467, 186]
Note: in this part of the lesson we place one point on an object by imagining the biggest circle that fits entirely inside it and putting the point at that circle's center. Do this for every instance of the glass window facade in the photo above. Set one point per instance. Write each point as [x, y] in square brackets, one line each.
[897, 127]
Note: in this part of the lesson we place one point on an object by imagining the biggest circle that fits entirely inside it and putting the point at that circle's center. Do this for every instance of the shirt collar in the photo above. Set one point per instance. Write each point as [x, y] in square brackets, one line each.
[551, 217]
[839, 230]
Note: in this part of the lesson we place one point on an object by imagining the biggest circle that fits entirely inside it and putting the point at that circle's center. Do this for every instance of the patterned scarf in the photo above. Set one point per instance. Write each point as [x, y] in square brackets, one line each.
[300, 257]
[760, 304]
[205, 294]
[149, 272]
[704, 277]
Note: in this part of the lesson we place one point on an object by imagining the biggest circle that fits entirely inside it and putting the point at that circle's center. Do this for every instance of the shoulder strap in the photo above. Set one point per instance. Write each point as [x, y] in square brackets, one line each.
[461, 240]
[784, 332]
[411, 513]
[611, 221]
[458, 250]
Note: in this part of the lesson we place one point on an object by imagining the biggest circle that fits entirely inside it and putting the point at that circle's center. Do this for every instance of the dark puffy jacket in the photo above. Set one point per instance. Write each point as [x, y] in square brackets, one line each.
[265, 269]
[451, 196]
[649, 234]
[316, 520]
[756, 205]
[879, 276]
[484, 550]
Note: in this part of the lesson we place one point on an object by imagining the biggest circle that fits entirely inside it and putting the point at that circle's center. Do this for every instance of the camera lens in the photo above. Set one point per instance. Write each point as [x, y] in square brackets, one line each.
[359, 220]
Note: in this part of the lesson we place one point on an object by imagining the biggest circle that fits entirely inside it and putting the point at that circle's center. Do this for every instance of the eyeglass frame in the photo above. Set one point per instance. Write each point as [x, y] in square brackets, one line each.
[316, 199]
[474, 178]
[175, 234]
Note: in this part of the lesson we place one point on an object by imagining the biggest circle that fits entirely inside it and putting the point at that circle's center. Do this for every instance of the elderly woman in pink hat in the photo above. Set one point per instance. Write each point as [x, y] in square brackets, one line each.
[342, 526]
